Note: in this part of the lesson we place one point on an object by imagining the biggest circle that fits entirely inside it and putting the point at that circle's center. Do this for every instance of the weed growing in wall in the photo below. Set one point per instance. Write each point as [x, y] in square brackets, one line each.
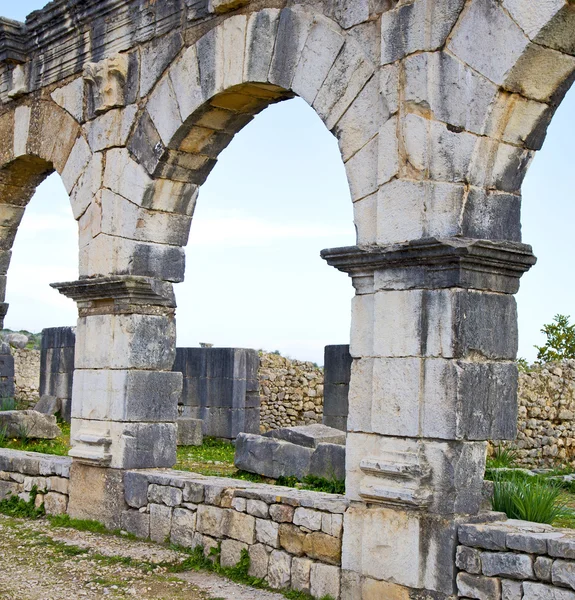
[14, 506]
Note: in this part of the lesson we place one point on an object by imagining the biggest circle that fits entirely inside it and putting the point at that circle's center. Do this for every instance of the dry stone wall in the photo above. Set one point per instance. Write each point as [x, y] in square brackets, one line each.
[515, 560]
[20, 472]
[546, 423]
[291, 392]
[293, 537]
[26, 376]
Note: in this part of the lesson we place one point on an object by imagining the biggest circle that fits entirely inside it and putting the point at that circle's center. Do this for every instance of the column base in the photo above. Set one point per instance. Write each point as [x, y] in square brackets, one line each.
[96, 494]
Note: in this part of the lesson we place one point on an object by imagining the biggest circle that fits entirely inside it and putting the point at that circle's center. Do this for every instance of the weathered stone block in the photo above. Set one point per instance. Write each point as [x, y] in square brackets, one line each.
[468, 559]
[279, 570]
[55, 504]
[128, 342]
[164, 494]
[292, 539]
[240, 526]
[267, 532]
[190, 432]
[475, 586]
[301, 574]
[136, 522]
[231, 552]
[29, 423]
[211, 520]
[259, 561]
[539, 591]
[507, 564]
[309, 436]
[325, 581]
[271, 458]
[160, 522]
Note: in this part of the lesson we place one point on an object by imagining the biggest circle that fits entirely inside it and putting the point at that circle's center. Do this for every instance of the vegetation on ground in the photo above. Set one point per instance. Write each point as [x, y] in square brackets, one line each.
[14, 506]
[503, 457]
[530, 497]
[59, 446]
[198, 561]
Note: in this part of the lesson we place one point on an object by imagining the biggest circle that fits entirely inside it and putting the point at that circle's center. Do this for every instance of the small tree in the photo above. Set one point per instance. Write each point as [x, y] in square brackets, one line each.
[560, 340]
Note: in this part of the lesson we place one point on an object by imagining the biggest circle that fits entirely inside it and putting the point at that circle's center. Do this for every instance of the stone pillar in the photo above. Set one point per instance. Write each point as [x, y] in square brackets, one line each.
[337, 372]
[125, 396]
[434, 341]
[57, 367]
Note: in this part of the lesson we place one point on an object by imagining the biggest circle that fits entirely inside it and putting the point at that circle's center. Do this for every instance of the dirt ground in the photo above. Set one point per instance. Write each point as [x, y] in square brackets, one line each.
[41, 562]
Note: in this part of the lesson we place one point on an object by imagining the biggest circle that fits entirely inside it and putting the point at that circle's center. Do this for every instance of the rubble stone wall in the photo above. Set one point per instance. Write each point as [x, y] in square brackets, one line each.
[291, 392]
[21, 471]
[293, 537]
[514, 560]
[26, 376]
[546, 423]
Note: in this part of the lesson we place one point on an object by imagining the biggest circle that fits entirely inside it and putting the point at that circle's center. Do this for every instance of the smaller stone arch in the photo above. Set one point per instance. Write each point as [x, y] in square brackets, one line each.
[37, 139]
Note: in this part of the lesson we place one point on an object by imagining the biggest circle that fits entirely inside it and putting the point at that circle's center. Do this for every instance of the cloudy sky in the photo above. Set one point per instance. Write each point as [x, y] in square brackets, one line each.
[278, 196]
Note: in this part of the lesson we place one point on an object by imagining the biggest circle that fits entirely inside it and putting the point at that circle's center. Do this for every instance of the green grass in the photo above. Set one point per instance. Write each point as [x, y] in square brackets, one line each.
[531, 498]
[7, 404]
[59, 446]
[198, 561]
[502, 458]
[215, 458]
[14, 506]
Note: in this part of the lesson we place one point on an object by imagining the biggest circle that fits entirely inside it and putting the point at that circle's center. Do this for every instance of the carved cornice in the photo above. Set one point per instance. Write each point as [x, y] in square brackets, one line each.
[119, 295]
[13, 41]
[437, 263]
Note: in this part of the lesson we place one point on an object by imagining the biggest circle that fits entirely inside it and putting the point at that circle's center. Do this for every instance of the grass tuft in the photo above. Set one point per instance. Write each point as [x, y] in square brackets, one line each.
[535, 499]
[503, 458]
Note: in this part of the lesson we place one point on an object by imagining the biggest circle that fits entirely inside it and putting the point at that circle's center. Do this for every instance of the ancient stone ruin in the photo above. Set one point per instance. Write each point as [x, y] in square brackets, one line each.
[438, 107]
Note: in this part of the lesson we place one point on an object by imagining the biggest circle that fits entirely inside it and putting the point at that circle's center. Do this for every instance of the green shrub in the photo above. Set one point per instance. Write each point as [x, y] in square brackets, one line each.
[529, 499]
[503, 458]
[560, 343]
[14, 506]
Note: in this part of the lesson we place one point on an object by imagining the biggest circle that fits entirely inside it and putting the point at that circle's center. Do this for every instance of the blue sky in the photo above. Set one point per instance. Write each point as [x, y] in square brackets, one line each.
[277, 196]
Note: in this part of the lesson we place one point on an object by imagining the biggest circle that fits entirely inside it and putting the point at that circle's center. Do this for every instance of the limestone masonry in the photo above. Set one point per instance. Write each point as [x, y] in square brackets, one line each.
[438, 107]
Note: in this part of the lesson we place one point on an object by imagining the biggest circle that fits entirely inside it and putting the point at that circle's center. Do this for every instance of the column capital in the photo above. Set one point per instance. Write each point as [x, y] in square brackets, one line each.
[120, 295]
[435, 263]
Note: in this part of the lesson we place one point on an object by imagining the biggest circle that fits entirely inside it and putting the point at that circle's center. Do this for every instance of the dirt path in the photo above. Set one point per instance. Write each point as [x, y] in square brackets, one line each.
[40, 562]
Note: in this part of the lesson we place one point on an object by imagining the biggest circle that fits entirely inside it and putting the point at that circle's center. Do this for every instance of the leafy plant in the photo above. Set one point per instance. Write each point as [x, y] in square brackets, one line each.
[523, 365]
[23, 434]
[7, 404]
[503, 457]
[560, 343]
[14, 506]
[533, 499]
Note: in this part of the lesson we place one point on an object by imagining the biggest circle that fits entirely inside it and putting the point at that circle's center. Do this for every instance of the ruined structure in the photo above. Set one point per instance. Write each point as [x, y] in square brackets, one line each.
[438, 107]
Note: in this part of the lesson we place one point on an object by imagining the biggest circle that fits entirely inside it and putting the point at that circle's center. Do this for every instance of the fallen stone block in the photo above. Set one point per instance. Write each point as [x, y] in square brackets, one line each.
[328, 461]
[271, 457]
[190, 432]
[308, 436]
[29, 423]
[48, 405]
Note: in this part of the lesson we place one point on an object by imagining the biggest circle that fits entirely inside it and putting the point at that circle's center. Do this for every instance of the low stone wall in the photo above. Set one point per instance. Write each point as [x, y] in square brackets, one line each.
[546, 423]
[291, 392]
[26, 376]
[293, 536]
[21, 471]
[515, 560]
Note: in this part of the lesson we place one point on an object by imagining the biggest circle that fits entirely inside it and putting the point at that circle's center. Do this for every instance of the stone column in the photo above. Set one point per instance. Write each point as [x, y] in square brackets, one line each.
[125, 395]
[434, 341]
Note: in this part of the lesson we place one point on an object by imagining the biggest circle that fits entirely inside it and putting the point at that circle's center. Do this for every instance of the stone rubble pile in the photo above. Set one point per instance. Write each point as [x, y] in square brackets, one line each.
[291, 392]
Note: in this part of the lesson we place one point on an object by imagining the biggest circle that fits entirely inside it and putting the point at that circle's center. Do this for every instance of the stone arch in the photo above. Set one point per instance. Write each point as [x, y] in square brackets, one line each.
[38, 139]
[238, 69]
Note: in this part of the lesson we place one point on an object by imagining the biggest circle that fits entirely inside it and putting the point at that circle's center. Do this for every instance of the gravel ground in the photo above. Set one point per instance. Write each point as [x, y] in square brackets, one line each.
[40, 562]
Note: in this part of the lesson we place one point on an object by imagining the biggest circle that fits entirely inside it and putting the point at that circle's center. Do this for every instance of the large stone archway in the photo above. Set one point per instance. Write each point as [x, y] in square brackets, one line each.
[438, 107]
